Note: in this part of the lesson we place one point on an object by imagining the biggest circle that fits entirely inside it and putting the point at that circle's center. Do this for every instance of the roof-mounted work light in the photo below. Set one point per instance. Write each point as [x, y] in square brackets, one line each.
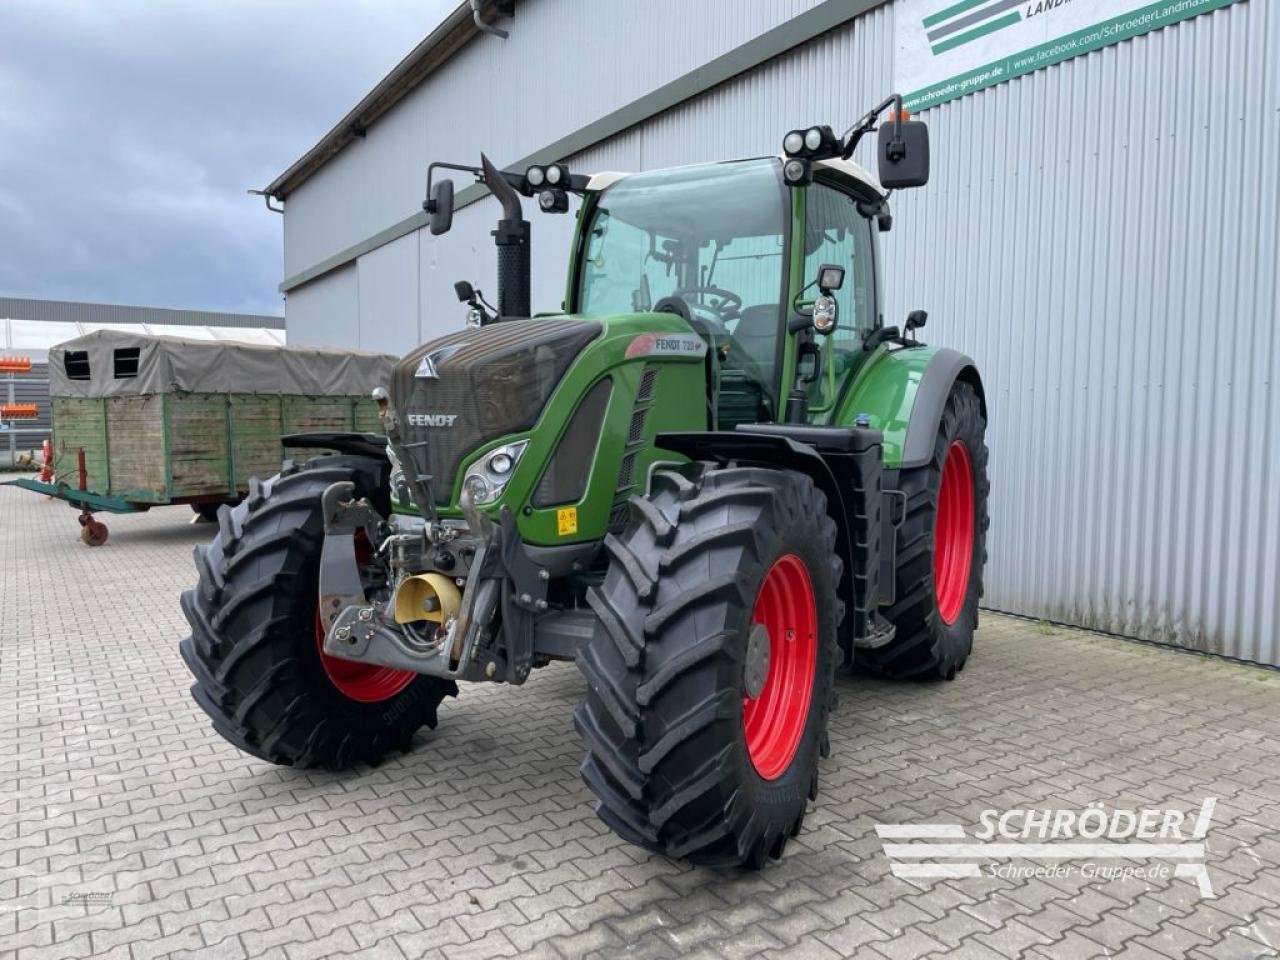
[802, 148]
[814, 143]
[538, 176]
[553, 201]
[797, 172]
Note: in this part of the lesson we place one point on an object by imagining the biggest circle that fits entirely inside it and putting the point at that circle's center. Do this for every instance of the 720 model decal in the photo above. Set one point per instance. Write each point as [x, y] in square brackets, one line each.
[667, 345]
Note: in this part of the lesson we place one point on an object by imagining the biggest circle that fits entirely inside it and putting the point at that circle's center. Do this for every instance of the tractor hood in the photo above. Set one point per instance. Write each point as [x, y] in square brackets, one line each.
[454, 394]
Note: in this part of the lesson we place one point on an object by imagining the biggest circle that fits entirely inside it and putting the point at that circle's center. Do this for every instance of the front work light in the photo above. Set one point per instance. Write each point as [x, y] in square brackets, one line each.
[797, 172]
[830, 277]
[815, 143]
[546, 175]
[553, 201]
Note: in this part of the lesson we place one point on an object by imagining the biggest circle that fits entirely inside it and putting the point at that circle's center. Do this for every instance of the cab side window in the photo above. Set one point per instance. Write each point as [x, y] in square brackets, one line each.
[836, 233]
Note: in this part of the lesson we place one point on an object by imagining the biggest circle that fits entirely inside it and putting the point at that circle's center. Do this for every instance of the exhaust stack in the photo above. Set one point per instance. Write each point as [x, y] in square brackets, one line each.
[512, 239]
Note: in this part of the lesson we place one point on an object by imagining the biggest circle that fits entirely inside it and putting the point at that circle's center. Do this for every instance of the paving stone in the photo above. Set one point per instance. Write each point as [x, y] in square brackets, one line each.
[481, 841]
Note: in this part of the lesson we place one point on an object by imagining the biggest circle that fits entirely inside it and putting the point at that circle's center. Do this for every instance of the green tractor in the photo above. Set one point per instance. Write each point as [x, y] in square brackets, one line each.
[712, 479]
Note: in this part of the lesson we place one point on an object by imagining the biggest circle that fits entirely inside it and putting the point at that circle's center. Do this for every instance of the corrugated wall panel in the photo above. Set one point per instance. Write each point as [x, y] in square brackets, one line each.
[388, 295]
[1102, 237]
[511, 97]
[326, 312]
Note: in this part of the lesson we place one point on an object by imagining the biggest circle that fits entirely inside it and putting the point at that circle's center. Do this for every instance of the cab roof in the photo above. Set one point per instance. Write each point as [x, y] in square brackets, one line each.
[848, 170]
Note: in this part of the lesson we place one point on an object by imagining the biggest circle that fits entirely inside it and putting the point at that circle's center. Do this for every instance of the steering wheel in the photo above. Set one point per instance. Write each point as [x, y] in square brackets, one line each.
[718, 335]
[729, 303]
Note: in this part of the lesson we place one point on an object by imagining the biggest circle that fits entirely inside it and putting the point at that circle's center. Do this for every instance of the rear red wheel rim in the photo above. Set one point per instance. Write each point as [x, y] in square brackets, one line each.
[774, 722]
[953, 533]
[365, 682]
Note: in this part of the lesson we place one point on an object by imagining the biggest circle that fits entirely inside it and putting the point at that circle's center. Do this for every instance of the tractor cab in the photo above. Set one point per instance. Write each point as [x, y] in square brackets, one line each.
[739, 254]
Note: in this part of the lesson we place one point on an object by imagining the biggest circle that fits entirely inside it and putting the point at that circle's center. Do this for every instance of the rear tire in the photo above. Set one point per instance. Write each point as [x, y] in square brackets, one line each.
[681, 760]
[253, 644]
[941, 550]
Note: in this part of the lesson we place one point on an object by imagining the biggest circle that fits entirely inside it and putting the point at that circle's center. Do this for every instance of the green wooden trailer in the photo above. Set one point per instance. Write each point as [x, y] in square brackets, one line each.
[140, 421]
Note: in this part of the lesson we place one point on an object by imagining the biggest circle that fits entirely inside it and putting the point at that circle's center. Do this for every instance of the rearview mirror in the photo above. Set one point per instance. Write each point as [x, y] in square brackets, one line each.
[903, 152]
[808, 363]
[440, 207]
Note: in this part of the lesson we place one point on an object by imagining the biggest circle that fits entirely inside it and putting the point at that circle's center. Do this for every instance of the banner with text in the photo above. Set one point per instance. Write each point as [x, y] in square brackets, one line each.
[949, 48]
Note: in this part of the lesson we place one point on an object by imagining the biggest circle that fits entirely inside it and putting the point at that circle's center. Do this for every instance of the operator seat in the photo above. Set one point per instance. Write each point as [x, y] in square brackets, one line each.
[757, 333]
[742, 397]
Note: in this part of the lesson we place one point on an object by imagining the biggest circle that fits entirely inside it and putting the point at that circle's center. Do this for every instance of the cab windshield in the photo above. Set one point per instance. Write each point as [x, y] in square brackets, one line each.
[712, 238]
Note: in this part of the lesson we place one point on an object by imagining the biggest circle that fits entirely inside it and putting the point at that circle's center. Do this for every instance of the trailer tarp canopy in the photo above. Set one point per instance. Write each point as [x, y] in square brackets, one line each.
[110, 363]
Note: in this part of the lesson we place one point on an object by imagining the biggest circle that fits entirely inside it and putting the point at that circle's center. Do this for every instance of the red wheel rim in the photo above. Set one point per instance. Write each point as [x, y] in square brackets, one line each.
[774, 722]
[366, 682]
[953, 533]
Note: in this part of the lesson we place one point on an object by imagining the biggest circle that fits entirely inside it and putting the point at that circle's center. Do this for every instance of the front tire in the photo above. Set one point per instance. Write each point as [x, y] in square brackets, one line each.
[696, 747]
[254, 648]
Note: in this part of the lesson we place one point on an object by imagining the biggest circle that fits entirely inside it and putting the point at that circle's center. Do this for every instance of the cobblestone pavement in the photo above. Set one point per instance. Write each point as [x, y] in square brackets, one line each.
[128, 829]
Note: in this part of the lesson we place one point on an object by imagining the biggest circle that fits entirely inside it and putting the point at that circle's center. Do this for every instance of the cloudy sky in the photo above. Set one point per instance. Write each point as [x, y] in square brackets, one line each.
[130, 131]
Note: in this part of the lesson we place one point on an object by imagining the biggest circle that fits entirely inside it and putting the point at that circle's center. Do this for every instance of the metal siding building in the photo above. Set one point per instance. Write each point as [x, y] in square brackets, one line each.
[1100, 235]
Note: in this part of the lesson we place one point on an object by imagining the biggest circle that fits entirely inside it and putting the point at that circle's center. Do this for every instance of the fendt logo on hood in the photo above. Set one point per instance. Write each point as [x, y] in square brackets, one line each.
[432, 419]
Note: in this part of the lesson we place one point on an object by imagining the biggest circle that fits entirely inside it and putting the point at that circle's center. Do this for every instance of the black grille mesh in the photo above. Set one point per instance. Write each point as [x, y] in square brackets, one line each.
[646, 383]
[491, 380]
[626, 473]
[636, 433]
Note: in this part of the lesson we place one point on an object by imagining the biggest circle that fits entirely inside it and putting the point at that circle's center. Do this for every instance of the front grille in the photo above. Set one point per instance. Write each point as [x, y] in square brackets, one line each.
[456, 393]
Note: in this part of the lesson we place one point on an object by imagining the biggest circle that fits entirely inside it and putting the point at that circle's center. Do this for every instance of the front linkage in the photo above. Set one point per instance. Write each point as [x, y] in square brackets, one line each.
[424, 623]
[444, 583]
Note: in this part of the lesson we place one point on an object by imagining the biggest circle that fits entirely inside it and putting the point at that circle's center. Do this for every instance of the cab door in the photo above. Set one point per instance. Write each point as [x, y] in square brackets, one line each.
[836, 233]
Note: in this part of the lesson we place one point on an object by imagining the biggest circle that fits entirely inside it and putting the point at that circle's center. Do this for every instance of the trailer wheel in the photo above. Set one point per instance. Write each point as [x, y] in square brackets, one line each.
[710, 670]
[941, 550]
[93, 532]
[206, 512]
[259, 671]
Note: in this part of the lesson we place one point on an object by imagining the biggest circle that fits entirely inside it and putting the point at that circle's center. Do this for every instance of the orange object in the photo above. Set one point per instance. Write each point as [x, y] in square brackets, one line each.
[15, 364]
[46, 469]
[18, 411]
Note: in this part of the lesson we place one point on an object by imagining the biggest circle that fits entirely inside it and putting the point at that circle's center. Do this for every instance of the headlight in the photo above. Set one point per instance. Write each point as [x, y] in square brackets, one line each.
[793, 142]
[487, 478]
[813, 138]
